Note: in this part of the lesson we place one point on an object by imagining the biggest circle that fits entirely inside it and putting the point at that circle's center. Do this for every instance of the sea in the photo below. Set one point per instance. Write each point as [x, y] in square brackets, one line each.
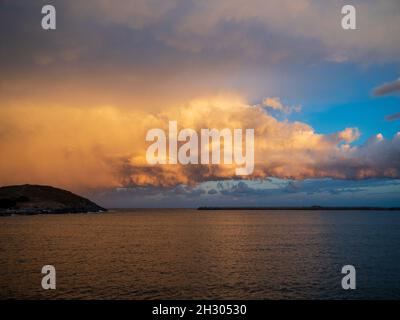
[190, 254]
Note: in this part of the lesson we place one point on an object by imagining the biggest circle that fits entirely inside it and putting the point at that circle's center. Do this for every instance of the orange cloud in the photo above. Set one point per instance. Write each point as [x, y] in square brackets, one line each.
[99, 147]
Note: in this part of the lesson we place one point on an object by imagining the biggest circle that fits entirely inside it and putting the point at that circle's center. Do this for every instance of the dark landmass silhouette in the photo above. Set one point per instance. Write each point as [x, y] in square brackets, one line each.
[35, 199]
[303, 208]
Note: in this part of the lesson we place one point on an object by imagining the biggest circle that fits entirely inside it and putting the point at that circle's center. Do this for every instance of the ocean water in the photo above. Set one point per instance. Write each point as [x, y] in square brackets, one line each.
[189, 254]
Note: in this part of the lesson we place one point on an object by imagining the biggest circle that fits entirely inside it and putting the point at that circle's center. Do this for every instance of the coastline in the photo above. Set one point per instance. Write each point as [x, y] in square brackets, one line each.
[315, 208]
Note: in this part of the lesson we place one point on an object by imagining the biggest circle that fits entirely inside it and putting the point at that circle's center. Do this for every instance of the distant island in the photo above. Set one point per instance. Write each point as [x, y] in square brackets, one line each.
[36, 199]
[303, 208]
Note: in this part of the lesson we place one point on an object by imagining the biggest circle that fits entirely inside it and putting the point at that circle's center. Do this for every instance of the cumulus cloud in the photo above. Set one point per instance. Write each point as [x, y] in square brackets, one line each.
[276, 104]
[43, 144]
[349, 134]
[387, 88]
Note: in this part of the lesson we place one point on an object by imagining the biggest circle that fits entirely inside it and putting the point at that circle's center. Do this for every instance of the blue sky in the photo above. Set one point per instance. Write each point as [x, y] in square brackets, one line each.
[347, 101]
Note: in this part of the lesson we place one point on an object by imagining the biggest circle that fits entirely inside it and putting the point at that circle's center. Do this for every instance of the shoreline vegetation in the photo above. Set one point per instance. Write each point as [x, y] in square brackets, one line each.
[36, 199]
[315, 208]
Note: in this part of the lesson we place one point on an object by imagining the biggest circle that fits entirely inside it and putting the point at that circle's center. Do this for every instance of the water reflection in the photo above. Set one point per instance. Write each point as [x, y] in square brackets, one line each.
[189, 254]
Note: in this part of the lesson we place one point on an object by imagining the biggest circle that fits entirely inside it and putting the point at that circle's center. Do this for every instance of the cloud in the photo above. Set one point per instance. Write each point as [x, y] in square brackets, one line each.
[349, 134]
[138, 51]
[276, 104]
[306, 187]
[248, 34]
[387, 88]
[272, 192]
[392, 117]
[101, 147]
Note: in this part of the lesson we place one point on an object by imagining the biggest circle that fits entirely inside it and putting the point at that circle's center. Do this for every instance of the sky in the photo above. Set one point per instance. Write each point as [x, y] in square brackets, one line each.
[324, 102]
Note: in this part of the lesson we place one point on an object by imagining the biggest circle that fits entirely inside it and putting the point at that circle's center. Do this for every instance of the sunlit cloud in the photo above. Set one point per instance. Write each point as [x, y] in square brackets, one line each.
[276, 104]
[105, 146]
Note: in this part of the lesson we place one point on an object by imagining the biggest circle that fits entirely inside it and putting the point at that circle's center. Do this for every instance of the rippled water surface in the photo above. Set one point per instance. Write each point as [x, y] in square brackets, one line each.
[187, 254]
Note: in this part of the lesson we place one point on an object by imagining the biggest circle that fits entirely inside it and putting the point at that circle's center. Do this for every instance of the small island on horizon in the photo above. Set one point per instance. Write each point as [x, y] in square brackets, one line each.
[338, 208]
[37, 199]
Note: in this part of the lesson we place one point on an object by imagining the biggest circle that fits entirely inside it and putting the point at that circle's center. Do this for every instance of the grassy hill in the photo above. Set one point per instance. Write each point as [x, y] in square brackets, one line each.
[35, 199]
